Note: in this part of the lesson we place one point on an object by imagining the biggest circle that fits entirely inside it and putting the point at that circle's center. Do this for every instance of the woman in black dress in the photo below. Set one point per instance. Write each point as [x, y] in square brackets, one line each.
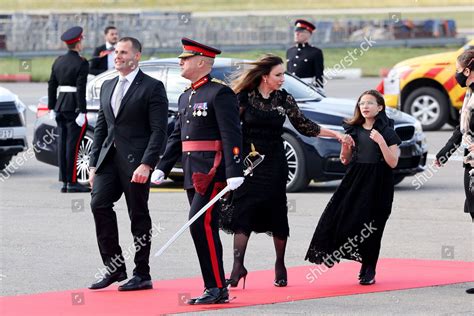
[464, 132]
[260, 203]
[352, 224]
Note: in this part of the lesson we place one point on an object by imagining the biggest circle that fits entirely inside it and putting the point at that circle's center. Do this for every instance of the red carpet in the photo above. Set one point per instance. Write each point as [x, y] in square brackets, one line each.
[168, 295]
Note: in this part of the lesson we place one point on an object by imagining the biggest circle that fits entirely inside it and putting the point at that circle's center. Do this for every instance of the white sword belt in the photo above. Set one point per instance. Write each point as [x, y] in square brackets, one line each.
[66, 89]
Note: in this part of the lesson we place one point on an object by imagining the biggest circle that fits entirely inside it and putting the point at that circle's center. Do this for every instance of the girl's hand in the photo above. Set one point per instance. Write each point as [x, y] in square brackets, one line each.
[376, 137]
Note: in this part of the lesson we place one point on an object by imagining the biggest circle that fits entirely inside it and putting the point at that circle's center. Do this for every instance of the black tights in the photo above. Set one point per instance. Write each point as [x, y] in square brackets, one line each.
[240, 246]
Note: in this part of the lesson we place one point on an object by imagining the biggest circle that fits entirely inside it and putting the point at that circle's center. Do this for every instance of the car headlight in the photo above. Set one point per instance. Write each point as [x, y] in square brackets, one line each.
[419, 135]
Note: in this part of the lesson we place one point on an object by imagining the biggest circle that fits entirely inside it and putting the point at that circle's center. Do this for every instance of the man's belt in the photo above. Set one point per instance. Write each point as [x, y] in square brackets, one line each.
[309, 80]
[201, 181]
[202, 145]
[66, 89]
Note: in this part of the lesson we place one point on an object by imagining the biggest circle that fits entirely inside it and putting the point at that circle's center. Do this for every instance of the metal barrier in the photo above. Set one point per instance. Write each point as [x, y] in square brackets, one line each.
[161, 31]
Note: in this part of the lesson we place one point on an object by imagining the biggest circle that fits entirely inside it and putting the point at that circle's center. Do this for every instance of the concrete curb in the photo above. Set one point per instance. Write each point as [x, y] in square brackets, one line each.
[15, 77]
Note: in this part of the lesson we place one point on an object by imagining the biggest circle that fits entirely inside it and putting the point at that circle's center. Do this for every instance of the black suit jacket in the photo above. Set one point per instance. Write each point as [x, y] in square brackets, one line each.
[139, 130]
[98, 64]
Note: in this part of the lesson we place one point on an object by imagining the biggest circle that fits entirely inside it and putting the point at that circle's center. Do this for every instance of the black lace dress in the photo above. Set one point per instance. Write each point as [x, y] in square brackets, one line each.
[352, 225]
[260, 205]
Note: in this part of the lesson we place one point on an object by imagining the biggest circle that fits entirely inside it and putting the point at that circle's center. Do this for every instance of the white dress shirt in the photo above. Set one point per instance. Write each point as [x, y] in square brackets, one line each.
[110, 56]
[130, 77]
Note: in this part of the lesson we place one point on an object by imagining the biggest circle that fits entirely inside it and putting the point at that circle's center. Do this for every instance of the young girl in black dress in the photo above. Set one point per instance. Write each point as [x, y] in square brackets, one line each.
[352, 224]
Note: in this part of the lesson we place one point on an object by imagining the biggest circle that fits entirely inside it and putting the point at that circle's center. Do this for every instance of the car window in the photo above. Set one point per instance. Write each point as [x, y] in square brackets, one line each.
[175, 84]
[299, 90]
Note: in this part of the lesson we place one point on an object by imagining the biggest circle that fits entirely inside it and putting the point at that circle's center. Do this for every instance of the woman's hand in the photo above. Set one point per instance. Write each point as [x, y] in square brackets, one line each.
[471, 148]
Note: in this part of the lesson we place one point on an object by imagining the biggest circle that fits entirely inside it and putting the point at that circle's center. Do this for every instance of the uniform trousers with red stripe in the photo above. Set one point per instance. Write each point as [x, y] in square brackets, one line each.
[205, 234]
[70, 137]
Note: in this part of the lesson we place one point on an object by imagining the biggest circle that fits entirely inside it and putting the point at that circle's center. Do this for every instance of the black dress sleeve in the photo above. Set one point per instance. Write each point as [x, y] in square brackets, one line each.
[302, 124]
[391, 137]
[451, 146]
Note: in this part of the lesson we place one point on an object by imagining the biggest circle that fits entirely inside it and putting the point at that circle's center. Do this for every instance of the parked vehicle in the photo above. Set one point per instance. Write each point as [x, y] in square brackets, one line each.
[12, 126]
[308, 158]
[425, 87]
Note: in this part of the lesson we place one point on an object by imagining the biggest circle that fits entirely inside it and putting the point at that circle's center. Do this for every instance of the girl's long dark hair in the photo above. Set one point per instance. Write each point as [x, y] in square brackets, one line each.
[358, 119]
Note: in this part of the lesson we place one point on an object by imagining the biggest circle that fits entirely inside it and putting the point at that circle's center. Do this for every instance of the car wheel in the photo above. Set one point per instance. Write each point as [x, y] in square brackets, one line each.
[4, 161]
[398, 178]
[297, 178]
[83, 158]
[429, 106]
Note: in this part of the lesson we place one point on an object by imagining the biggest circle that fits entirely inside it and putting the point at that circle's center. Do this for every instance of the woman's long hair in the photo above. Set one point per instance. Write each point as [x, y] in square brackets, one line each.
[358, 119]
[466, 59]
[250, 78]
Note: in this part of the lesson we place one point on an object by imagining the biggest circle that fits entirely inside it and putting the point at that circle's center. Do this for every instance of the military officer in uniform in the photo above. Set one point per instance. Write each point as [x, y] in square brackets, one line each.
[303, 60]
[67, 104]
[207, 137]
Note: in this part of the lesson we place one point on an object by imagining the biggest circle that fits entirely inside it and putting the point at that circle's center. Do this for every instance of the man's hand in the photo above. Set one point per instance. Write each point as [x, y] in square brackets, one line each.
[158, 176]
[234, 183]
[91, 176]
[52, 115]
[141, 174]
[81, 119]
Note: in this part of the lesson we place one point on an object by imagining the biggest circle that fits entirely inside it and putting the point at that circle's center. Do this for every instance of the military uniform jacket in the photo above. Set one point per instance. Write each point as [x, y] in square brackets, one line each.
[305, 61]
[210, 112]
[68, 70]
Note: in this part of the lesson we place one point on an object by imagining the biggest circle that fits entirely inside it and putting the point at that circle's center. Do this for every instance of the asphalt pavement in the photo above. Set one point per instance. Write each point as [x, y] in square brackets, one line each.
[48, 239]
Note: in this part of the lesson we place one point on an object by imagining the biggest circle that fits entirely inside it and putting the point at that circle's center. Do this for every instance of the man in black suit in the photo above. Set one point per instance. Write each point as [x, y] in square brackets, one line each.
[129, 134]
[67, 105]
[208, 139]
[103, 56]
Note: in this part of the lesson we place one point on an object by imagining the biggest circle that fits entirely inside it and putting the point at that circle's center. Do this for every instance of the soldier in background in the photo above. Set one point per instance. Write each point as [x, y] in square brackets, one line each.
[103, 56]
[67, 104]
[303, 60]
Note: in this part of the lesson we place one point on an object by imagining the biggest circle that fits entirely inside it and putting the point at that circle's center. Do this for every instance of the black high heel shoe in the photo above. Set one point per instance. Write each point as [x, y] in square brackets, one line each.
[234, 283]
[281, 281]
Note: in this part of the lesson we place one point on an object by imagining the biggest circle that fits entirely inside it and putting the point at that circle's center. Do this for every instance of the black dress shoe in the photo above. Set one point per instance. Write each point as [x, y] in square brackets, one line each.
[64, 187]
[76, 187]
[108, 279]
[135, 284]
[213, 295]
[369, 277]
[470, 291]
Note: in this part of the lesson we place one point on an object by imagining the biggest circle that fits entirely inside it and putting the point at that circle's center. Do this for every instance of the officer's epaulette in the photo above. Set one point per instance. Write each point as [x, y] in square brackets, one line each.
[186, 88]
[219, 81]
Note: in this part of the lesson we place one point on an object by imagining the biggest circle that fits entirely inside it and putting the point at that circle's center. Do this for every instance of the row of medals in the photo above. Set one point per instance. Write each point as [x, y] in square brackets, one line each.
[200, 113]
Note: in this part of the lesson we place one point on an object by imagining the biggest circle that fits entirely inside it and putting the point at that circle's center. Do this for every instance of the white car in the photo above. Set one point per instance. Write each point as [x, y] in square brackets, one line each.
[12, 126]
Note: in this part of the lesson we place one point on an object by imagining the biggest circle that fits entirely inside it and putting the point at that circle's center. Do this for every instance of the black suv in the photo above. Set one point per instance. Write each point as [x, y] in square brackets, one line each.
[308, 158]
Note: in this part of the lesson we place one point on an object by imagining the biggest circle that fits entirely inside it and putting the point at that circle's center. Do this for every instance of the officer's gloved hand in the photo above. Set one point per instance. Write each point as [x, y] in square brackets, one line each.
[81, 119]
[157, 177]
[52, 115]
[234, 183]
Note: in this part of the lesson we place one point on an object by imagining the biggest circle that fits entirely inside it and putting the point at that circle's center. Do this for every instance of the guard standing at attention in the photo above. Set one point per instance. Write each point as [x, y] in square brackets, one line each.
[303, 60]
[208, 139]
[67, 104]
